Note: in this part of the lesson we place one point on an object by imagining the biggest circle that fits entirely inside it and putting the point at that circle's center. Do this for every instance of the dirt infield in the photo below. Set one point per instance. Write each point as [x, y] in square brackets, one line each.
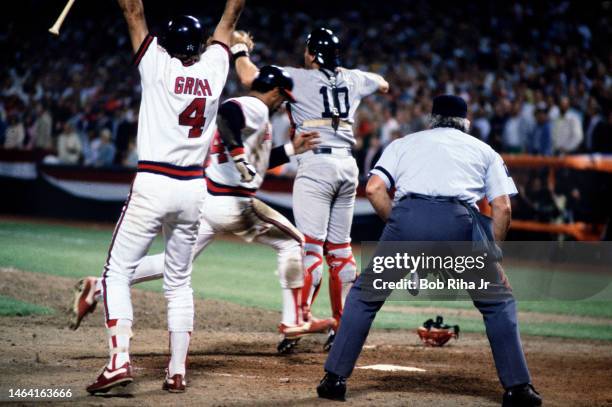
[233, 359]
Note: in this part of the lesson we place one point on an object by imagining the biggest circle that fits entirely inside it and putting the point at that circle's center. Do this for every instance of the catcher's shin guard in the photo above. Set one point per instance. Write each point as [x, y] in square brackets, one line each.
[342, 274]
[313, 272]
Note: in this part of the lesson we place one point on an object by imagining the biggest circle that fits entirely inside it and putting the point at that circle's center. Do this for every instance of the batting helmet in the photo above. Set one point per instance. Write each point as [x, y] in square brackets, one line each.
[184, 36]
[271, 77]
[325, 46]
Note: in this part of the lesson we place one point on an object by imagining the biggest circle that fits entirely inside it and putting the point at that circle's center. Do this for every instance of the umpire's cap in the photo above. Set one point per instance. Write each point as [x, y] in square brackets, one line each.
[325, 46]
[271, 77]
[184, 36]
[449, 106]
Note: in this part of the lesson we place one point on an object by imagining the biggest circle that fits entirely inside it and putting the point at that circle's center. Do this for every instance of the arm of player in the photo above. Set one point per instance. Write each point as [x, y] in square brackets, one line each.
[300, 144]
[501, 212]
[229, 19]
[376, 191]
[383, 85]
[246, 70]
[230, 122]
[133, 11]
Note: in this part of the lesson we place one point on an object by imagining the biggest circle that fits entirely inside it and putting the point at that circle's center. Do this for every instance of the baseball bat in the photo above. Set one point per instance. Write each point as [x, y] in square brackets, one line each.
[58, 23]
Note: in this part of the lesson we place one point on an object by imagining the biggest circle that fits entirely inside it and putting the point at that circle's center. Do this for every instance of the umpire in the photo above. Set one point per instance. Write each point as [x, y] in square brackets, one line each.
[438, 175]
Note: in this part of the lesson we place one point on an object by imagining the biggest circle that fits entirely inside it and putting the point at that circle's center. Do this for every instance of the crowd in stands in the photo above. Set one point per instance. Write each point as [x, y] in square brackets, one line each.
[536, 75]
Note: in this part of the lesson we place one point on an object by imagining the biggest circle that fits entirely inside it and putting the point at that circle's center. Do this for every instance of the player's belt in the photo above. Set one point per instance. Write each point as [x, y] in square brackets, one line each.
[172, 171]
[214, 188]
[326, 123]
[332, 150]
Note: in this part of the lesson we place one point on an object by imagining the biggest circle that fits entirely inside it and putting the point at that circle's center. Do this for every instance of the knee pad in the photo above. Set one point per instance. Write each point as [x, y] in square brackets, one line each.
[313, 259]
[340, 261]
[290, 267]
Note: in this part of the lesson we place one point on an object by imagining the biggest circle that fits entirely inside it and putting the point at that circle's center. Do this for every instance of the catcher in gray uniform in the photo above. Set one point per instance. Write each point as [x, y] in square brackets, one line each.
[326, 183]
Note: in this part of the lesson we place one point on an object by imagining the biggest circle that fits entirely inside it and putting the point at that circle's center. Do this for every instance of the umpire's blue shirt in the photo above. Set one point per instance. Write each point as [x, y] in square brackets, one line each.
[444, 162]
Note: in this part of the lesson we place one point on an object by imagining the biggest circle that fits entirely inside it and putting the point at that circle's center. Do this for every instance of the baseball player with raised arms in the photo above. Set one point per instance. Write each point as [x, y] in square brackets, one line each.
[240, 155]
[181, 87]
[326, 182]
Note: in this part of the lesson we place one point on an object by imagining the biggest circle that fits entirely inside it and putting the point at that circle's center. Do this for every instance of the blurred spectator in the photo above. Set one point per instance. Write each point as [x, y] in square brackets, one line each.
[540, 140]
[514, 131]
[567, 130]
[390, 125]
[69, 146]
[15, 133]
[592, 119]
[105, 150]
[91, 144]
[541, 199]
[498, 123]
[602, 135]
[131, 158]
[42, 128]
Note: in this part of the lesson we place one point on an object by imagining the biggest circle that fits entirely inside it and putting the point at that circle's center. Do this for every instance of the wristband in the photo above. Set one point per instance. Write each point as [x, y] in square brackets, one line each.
[289, 149]
[239, 48]
[240, 54]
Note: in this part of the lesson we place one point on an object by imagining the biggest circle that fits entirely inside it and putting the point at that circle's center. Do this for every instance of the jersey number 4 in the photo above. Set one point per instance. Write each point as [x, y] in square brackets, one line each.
[193, 116]
[340, 101]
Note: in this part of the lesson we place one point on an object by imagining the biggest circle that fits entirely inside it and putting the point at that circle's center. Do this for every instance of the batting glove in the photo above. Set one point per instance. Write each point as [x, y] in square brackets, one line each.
[246, 169]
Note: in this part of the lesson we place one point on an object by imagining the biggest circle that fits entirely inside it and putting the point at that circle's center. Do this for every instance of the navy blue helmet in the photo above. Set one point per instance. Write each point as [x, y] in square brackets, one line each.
[271, 77]
[184, 36]
[325, 46]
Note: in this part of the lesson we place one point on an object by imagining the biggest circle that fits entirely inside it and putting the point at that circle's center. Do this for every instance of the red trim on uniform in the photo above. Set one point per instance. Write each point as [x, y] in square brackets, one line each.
[142, 49]
[106, 264]
[296, 303]
[335, 246]
[114, 341]
[225, 47]
[114, 362]
[312, 240]
[220, 189]
[170, 171]
[237, 151]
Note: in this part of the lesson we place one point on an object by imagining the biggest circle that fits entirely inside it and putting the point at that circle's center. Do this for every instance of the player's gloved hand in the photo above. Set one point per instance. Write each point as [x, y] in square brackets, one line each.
[246, 169]
[305, 142]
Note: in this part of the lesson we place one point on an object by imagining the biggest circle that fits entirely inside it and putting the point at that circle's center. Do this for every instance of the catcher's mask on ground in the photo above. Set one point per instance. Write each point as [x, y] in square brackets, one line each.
[183, 38]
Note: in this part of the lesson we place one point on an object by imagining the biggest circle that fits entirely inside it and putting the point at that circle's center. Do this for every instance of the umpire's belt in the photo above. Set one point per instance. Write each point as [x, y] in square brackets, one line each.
[438, 198]
[482, 226]
[326, 123]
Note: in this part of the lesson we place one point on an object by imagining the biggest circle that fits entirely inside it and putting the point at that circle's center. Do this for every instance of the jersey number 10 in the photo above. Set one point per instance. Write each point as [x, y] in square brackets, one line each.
[339, 95]
[193, 116]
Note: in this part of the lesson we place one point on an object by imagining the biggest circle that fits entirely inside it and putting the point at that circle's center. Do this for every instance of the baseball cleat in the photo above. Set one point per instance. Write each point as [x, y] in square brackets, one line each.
[174, 384]
[330, 340]
[332, 387]
[286, 346]
[313, 326]
[110, 378]
[522, 396]
[84, 301]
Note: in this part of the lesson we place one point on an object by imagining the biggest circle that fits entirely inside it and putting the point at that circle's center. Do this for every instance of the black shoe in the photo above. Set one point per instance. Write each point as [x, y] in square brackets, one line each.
[332, 387]
[286, 345]
[522, 396]
[330, 341]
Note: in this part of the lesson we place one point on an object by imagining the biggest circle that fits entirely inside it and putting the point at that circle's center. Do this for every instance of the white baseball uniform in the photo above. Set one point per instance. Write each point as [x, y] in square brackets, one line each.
[230, 207]
[326, 183]
[176, 123]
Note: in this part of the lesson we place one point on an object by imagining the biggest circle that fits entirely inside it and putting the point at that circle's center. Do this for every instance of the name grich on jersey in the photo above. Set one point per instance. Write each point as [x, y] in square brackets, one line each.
[191, 86]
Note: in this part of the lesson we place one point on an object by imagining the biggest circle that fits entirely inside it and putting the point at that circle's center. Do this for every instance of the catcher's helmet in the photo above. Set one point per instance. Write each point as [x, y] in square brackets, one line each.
[325, 46]
[272, 76]
[184, 36]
